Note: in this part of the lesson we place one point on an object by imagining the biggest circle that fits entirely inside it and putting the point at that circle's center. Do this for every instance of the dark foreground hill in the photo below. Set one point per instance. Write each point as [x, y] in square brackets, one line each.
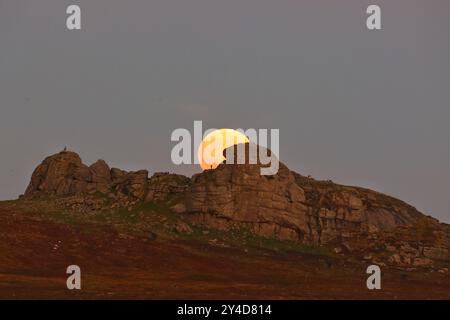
[228, 232]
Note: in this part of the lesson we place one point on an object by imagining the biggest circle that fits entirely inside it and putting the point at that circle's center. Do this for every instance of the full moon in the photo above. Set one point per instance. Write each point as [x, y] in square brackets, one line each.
[210, 151]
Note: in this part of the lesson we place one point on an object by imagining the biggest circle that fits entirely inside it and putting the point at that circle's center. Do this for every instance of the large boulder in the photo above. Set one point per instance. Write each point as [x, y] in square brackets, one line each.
[237, 195]
[117, 175]
[101, 176]
[60, 174]
[132, 184]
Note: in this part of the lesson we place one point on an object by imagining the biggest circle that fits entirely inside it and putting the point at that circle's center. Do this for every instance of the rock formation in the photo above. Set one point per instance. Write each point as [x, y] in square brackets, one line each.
[64, 175]
[286, 206]
[61, 174]
[163, 184]
[290, 206]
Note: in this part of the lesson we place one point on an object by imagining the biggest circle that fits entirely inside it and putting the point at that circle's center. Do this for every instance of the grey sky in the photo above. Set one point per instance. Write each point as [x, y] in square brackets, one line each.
[356, 106]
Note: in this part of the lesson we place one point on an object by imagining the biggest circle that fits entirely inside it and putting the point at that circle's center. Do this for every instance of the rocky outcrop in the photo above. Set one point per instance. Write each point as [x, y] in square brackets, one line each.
[101, 176]
[424, 243]
[132, 184]
[290, 206]
[238, 196]
[163, 184]
[343, 212]
[60, 174]
[286, 205]
[63, 175]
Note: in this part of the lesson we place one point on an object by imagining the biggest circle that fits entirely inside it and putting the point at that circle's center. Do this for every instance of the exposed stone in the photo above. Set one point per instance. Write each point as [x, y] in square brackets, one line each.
[422, 262]
[132, 184]
[85, 203]
[182, 227]
[436, 253]
[395, 259]
[101, 176]
[64, 175]
[179, 208]
[338, 250]
[163, 184]
[117, 175]
[286, 206]
[289, 206]
[61, 174]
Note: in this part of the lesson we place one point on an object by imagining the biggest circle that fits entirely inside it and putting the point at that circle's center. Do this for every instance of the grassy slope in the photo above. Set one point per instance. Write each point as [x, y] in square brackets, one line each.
[120, 259]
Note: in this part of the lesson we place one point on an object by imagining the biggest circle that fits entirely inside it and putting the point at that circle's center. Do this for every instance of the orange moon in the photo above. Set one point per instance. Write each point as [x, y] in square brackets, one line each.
[210, 151]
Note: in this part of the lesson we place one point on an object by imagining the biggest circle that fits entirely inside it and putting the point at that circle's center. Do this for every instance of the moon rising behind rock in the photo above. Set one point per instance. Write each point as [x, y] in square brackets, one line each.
[210, 151]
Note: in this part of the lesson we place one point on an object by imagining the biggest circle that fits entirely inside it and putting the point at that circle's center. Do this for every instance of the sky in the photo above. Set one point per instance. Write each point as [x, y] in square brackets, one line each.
[360, 107]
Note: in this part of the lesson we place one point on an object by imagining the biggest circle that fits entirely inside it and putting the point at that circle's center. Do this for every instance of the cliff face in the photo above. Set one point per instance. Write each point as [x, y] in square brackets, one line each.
[238, 196]
[290, 206]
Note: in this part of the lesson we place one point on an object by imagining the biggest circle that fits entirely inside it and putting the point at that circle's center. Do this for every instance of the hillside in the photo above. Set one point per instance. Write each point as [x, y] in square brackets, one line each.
[224, 233]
